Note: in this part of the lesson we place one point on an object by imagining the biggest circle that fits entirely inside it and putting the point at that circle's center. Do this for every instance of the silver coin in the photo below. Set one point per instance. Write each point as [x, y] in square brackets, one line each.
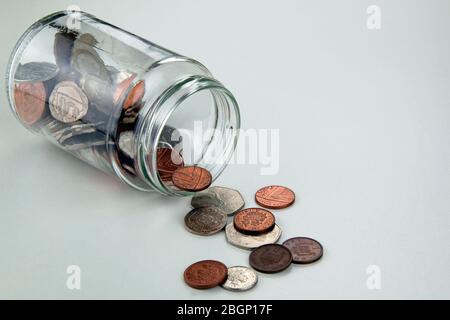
[249, 241]
[68, 102]
[240, 279]
[98, 91]
[85, 58]
[35, 71]
[126, 143]
[229, 200]
[205, 221]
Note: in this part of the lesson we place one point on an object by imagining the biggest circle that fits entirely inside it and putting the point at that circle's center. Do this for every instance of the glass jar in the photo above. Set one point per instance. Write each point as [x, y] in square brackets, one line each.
[119, 102]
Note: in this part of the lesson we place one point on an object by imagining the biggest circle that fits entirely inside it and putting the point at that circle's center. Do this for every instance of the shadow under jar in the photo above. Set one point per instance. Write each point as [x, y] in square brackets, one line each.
[119, 102]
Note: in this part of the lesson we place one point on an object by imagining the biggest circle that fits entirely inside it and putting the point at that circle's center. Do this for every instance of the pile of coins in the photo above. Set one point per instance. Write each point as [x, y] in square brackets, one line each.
[72, 101]
[252, 228]
[72, 97]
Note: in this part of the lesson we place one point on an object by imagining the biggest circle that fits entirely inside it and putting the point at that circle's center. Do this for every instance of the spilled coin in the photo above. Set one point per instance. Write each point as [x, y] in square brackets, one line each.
[229, 200]
[246, 241]
[275, 197]
[304, 250]
[205, 274]
[205, 221]
[254, 221]
[270, 258]
[240, 279]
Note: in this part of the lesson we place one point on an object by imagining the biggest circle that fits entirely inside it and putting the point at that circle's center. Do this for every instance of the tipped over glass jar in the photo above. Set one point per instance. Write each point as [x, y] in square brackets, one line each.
[119, 102]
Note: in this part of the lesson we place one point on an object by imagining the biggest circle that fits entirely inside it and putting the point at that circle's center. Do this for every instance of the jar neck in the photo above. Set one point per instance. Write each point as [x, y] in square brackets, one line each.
[215, 148]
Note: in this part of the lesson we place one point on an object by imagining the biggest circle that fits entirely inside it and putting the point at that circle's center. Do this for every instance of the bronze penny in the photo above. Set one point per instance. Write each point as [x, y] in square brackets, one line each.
[29, 98]
[191, 178]
[304, 250]
[270, 258]
[121, 88]
[205, 274]
[275, 197]
[135, 94]
[168, 160]
[254, 221]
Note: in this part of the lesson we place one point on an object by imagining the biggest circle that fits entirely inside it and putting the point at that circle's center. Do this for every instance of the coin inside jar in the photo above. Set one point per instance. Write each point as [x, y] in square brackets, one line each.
[98, 90]
[85, 59]
[275, 197]
[270, 258]
[205, 221]
[240, 279]
[168, 160]
[68, 102]
[29, 98]
[304, 250]
[191, 178]
[62, 48]
[122, 87]
[35, 72]
[135, 94]
[126, 143]
[254, 221]
[205, 274]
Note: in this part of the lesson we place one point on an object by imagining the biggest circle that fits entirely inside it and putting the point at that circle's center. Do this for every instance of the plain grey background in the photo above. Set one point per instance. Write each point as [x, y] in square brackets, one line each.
[364, 119]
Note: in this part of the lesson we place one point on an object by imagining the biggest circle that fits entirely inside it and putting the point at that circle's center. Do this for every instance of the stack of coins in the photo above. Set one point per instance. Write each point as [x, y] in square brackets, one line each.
[252, 228]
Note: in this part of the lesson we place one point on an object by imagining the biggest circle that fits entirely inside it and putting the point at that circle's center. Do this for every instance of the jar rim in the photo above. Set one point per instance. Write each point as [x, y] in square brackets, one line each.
[152, 124]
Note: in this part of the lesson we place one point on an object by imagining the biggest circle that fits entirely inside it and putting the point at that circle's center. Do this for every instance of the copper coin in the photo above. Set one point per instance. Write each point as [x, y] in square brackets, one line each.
[270, 258]
[135, 94]
[304, 250]
[275, 197]
[122, 87]
[29, 98]
[191, 178]
[254, 221]
[205, 274]
[168, 160]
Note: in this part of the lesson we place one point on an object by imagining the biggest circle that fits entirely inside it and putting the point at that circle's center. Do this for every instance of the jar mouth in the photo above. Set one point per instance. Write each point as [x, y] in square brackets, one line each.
[198, 119]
